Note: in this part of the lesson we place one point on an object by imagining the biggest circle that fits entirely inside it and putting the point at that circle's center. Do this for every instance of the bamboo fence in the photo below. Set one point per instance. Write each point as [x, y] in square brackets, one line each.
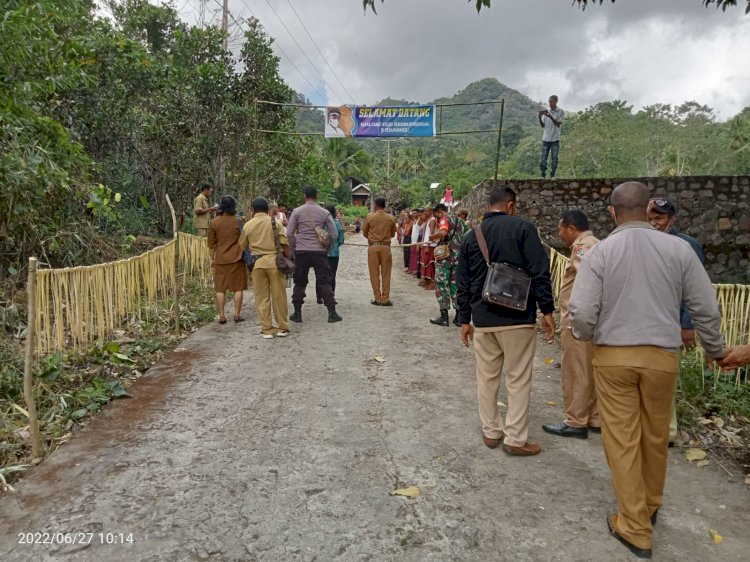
[78, 306]
[734, 303]
[194, 258]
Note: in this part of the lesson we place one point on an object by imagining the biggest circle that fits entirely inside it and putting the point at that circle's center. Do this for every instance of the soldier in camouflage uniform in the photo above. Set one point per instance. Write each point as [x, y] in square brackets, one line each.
[450, 230]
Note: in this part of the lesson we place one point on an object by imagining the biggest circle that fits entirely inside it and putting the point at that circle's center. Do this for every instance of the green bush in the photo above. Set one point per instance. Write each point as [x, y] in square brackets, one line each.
[352, 213]
[701, 391]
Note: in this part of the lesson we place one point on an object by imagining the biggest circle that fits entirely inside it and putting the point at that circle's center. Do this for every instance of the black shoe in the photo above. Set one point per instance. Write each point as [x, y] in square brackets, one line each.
[386, 303]
[456, 321]
[297, 316]
[670, 444]
[443, 320]
[564, 430]
[639, 552]
[333, 316]
[320, 300]
[375, 303]
[595, 429]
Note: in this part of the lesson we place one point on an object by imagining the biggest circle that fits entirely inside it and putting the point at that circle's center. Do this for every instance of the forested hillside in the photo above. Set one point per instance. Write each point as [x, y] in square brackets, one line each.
[610, 139]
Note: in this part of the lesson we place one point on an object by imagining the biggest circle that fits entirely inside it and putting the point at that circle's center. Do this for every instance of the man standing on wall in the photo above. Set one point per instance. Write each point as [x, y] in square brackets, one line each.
[202, 210]
[305, 233]
[503, 336]
[626, 299]
[581, 413]
[551, 121]
[662, 214]
[379, 229]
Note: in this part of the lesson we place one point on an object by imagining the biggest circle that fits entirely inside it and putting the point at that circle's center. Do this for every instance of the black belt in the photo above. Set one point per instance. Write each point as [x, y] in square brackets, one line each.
[379, 243]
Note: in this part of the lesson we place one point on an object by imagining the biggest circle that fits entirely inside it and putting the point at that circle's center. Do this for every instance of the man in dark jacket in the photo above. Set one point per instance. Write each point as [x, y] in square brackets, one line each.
[662, 215]
[501, 333]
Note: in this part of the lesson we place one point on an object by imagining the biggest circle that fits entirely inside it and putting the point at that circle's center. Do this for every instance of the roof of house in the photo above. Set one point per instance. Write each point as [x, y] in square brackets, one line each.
[362, 188]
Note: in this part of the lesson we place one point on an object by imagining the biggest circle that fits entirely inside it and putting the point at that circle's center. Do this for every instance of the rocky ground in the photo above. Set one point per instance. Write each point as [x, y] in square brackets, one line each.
[237, 448]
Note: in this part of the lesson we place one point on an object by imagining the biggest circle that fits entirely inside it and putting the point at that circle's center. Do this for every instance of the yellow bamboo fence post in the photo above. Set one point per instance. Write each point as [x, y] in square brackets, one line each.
[176, 261]
[28, 372]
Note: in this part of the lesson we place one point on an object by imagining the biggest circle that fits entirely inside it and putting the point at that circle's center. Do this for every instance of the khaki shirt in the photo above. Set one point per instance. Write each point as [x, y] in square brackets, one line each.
[585, 241]
[629, 288]
[258, 236]
[200, 204]
[379, 227]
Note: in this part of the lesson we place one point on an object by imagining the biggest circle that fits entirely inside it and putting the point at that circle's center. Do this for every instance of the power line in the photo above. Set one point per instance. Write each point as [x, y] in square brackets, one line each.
[288, 58]
[303, 50]
[341, 83]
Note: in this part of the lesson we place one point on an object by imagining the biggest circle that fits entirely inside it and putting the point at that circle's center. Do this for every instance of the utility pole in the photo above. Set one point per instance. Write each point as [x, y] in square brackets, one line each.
[225, 23]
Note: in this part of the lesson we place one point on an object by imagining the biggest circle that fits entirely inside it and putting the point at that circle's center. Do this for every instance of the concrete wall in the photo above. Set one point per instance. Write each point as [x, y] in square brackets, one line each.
[715, 210]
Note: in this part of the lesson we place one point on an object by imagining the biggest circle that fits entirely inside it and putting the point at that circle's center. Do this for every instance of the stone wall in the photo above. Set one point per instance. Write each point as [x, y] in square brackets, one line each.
[715, 210]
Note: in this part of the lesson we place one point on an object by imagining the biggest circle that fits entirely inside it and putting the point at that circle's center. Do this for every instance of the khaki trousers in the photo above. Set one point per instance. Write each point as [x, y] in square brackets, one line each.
[269, 288]
[634, 388]
[380, 263]
[578, 381]
[673, 418]
[514, 347]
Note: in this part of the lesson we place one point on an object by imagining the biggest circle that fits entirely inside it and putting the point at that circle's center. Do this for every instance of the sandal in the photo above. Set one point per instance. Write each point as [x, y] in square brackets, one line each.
[222, 320]
[239, 319]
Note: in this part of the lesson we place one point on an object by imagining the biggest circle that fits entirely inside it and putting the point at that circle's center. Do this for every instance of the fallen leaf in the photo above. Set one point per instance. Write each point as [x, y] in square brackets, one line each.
[179, 349]
[501, 405]
[701, 464]
[379, 359]
[551, 403]
[747, 479]
[695, 454]
[410, 492]
[705, 421]
[715, 536]
[718, 422]
[549, 360]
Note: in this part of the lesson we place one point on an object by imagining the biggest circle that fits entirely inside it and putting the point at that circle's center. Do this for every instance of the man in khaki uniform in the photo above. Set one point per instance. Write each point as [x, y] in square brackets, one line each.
[379, 229]
[626, 299]
[581, 413]
[202, 210]
[269, 285]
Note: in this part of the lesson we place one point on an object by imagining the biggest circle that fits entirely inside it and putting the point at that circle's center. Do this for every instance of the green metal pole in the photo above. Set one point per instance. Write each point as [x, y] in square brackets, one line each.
[499, 138]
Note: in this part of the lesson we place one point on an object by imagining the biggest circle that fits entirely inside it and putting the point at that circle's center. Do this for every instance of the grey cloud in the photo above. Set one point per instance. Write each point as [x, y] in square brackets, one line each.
[425, 49]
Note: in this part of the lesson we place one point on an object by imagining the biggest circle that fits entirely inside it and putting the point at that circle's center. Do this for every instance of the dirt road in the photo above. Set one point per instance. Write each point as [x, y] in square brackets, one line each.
[237, 448]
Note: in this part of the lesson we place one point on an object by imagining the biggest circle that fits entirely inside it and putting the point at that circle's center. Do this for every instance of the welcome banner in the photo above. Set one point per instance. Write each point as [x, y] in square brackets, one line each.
[366, 121]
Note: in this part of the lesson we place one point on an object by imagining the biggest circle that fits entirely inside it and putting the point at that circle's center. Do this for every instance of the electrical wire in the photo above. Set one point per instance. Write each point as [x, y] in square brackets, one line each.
[287, 57]
[341, 83]
[303, 50]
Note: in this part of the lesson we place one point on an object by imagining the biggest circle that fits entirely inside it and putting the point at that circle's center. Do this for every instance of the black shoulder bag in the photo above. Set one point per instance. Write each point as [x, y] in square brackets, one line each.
[505, 285]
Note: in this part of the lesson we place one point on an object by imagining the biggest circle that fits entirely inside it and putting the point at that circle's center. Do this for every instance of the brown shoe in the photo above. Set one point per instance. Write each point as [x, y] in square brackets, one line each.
[528, 450]
[492, 443]
[429, 286]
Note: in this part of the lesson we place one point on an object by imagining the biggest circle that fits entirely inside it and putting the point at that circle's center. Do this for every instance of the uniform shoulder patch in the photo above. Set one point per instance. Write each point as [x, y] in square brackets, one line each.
[580, 251]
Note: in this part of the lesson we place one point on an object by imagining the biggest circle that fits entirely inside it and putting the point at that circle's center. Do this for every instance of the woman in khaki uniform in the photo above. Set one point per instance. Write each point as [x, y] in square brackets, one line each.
[230, 272]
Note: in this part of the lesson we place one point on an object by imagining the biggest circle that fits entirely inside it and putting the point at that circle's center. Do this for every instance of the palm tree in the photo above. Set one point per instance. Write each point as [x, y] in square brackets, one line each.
[344, 158]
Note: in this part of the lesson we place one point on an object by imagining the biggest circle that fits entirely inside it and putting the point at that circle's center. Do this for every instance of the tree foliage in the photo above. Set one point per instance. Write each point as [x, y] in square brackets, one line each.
[100, 118]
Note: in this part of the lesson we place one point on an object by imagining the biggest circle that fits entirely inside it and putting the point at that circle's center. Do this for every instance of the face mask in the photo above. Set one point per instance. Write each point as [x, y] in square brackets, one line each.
[334, 123]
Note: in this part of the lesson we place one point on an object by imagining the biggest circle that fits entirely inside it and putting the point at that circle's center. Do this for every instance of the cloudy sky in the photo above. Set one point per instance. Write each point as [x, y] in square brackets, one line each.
[639, 50]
